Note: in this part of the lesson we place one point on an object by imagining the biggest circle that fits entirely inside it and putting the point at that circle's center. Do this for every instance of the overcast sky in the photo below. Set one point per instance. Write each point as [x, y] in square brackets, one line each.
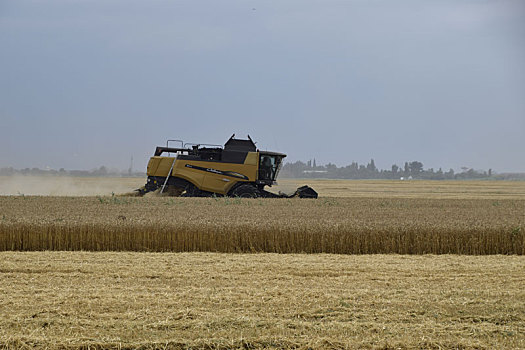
[91, 83]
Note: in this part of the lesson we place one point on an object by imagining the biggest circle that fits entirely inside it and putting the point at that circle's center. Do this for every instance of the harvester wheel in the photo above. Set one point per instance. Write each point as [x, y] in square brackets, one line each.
[246, 191]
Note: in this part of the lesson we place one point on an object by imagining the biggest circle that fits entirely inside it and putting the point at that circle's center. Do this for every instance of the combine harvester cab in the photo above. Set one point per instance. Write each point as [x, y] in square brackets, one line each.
[238, 169]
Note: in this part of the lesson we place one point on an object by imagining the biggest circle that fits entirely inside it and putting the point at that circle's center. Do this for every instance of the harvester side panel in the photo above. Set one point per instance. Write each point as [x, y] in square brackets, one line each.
[159, 166]
[188, 173]
[225, 175]
[211, 176]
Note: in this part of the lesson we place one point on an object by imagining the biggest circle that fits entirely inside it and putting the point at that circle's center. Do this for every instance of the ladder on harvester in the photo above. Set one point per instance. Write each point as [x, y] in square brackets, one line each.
[167, 177]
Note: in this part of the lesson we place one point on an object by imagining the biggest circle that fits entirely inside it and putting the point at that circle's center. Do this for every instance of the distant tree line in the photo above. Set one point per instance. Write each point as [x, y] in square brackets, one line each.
[410, 170]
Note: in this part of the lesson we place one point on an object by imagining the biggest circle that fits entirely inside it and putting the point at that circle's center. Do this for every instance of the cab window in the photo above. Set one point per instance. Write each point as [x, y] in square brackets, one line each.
[268, 167]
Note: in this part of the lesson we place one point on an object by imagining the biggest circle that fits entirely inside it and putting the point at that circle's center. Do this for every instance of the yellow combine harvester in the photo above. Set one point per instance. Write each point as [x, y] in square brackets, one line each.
[238, 169]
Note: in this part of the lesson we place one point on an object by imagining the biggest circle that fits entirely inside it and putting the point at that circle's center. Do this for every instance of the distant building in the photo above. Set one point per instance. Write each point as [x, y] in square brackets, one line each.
[314, 171]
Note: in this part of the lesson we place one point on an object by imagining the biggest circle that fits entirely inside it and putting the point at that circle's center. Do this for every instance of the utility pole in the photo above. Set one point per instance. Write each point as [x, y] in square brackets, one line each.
[130, 170]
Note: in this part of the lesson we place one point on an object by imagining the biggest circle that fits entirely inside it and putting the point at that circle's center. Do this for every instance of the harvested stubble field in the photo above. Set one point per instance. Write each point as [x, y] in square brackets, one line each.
[213, 301]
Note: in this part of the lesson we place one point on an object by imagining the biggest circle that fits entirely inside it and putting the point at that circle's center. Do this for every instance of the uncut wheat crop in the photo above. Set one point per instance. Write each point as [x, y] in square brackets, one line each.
[326, 225]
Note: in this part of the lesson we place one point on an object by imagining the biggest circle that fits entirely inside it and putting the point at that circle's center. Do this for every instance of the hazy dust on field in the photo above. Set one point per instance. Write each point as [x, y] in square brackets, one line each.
[67, 185]
[210, 300]
[90, 186]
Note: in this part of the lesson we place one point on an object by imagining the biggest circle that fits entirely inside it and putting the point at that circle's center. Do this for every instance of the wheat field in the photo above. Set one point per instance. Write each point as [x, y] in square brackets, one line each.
[80, 271]
[327, 225]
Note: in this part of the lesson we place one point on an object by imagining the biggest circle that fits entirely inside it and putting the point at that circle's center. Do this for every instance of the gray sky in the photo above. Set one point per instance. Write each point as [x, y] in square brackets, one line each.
[91, 83]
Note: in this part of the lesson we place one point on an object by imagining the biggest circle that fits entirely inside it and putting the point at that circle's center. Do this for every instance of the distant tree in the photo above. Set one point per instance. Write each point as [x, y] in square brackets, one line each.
[371, 166]
[395, 168]
[102, 171]
[331, 166]
[415, 168]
